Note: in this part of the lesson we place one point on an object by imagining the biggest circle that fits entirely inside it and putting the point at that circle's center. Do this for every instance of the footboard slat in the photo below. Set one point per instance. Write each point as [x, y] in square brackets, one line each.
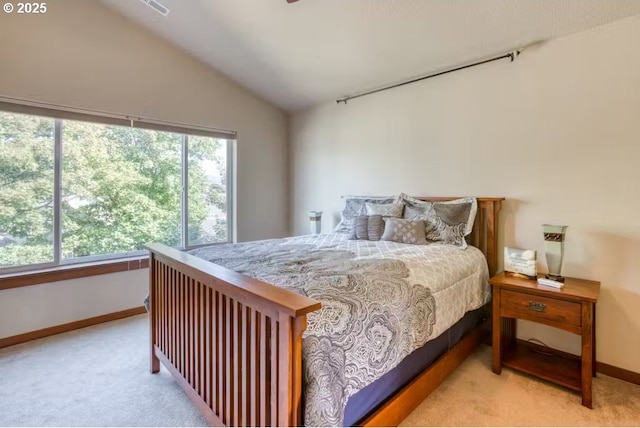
[264, 379]
[180, 322]
[202, 378]
[255, 370]
[273, 403]
[237, 387]
[229, 361]
[246, 347]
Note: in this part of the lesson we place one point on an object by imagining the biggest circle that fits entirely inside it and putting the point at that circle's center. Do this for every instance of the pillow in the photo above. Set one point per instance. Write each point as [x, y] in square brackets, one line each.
[405, 231]
[385, 210]
[369, 227]
[417, 213]
[354, 206]
[458, 211]
[449, 222]
[414, 209]
[439, 231]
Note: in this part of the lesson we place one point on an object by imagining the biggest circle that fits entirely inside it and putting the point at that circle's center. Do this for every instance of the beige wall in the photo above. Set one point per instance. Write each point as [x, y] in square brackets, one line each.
[556, 133]
[36, 307]
[83, 55]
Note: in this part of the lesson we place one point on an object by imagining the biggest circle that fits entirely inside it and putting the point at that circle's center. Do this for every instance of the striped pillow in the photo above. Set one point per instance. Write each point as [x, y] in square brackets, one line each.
[367, 227]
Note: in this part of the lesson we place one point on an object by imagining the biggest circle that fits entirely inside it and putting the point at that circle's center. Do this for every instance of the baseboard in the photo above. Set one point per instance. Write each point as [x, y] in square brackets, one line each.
[63, 328]
[617, 372]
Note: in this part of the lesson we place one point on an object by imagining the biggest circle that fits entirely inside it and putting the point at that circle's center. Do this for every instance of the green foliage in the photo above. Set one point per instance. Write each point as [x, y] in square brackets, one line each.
[14, 255]
[26, 183]
[121, 189]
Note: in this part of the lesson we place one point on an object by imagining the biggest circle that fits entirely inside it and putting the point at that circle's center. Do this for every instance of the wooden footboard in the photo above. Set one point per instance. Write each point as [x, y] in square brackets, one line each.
[233, 343]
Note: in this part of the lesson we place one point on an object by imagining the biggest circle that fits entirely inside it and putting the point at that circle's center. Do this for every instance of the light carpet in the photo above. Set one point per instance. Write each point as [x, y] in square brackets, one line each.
[474, 396]
[99, 376]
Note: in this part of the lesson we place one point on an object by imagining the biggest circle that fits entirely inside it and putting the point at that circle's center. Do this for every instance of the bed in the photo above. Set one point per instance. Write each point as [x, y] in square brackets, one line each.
[235, 343]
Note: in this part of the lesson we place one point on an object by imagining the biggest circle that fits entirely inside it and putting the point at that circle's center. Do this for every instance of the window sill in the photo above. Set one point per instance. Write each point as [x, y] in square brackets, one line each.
[61, 273]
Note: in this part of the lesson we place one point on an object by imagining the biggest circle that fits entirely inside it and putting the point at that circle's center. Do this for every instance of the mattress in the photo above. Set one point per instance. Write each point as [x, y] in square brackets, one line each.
[381, 301]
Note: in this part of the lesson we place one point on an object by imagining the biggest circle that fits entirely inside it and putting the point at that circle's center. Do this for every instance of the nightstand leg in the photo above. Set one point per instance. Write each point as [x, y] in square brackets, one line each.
[587, 353]
[497, 332]
[508, 333]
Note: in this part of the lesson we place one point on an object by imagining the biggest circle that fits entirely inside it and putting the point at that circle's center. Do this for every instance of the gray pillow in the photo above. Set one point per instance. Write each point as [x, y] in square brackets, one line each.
[450, 234]
[458, 211]
[449, 222]
[385, 210]
[414, 209]
[417, 213]
[354, 206]
[369, 227]
[405, 231]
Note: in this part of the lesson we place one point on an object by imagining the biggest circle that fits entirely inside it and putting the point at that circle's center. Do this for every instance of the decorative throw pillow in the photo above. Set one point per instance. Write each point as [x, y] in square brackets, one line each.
[458, 211]
[354, 206]
[385, 210]
[359, 226]
[405, 231]
[414, 209]
[439, 231]
[449, 222]
[367, 227]
[375, 227]
[417, 213]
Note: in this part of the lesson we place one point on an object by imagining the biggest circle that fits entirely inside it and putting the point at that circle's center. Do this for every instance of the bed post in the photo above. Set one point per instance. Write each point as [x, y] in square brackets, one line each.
[290, 375]
[492, 208]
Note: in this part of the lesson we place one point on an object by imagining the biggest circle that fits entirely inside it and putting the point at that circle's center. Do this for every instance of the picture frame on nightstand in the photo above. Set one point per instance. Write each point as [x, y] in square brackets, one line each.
[520, 262]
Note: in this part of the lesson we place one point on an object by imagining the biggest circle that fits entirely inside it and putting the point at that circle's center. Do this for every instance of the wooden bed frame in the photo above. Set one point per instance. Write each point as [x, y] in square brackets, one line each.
[234, 343]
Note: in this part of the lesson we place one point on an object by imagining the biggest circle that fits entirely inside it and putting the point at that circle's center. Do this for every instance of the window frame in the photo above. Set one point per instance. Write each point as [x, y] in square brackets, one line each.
[59, 116]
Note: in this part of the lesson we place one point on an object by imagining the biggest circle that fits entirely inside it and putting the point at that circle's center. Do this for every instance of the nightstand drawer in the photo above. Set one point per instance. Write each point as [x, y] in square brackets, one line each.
[540, 308]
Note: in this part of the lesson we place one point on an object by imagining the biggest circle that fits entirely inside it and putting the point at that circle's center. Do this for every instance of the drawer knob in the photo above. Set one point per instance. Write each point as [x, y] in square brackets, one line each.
[538, 307]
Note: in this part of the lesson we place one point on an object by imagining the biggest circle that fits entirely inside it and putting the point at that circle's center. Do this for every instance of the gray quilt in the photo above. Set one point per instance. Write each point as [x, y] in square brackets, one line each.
[374, 312]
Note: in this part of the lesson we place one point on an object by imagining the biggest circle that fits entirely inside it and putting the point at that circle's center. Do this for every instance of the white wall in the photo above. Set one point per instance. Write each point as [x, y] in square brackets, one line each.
[83, 55]
[556, 133]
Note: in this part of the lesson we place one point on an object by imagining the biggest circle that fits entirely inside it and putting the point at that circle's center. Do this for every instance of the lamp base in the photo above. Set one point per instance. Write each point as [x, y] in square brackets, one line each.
[555, 277]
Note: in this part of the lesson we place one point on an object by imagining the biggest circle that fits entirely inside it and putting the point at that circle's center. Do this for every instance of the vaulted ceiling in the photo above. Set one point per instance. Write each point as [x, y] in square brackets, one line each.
[299, 54]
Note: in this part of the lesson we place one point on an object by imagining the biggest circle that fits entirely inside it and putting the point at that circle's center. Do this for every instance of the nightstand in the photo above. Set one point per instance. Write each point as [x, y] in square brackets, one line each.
[571, 308]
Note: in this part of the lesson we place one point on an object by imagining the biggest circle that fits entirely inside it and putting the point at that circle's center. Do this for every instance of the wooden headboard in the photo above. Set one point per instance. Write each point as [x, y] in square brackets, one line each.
[485, 229]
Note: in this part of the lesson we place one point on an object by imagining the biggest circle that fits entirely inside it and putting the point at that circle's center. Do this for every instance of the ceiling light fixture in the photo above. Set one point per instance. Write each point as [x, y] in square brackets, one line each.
[157, 6]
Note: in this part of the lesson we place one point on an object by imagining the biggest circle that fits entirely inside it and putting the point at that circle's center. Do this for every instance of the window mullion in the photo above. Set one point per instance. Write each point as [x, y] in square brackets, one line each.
[57, 193]
[185, 191]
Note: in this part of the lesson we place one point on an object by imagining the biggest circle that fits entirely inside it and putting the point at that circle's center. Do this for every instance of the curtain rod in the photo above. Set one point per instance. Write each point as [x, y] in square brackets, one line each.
[511, 55]
[131, 119]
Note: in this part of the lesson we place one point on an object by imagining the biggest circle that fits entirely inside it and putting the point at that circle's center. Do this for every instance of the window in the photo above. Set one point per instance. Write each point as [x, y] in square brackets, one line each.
[120, 187]
[26, 189]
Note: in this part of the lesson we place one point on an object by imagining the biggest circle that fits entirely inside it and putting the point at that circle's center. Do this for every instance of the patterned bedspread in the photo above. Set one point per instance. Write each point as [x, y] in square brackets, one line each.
[381, 300]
